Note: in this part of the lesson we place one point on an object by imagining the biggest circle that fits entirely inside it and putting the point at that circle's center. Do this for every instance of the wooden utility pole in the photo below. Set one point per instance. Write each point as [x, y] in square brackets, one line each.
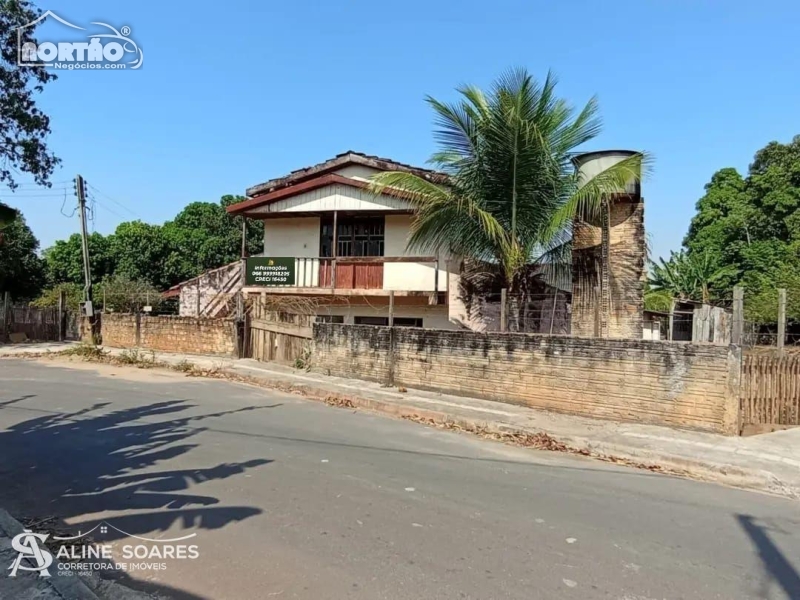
[781, 320]
[80, 192]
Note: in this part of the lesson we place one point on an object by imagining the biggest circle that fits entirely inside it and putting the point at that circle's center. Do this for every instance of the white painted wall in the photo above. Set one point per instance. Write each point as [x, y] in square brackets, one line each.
[295, 236]
[298, 237]
[433, 317]
[408, 276]
[362, 172]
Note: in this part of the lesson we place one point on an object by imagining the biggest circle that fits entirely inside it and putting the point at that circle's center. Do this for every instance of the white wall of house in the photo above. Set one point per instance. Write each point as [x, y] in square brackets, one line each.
[294, 236]
[361, 172]
[408, 276]
[297, 237]
[433, 317]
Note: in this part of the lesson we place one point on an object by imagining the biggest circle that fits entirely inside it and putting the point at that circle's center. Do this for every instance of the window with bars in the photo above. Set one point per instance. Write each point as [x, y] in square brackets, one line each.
[356, 236]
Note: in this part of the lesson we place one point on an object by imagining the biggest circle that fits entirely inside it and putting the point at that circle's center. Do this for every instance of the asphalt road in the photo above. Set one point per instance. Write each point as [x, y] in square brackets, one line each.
[294, 499]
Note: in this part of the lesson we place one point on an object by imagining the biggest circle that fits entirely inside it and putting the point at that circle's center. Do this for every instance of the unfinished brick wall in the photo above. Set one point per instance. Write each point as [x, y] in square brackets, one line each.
[169, 334]
[661, 383]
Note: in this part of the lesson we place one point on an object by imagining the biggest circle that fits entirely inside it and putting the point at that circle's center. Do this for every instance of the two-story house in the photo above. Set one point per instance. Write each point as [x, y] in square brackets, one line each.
[349, 245]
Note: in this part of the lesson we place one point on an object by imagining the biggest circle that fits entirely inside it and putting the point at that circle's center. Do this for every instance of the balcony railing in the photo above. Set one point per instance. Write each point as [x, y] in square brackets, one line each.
[407, 273]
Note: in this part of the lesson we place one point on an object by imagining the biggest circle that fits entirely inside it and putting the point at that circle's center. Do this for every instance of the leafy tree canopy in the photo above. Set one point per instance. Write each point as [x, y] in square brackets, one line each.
[23, 127]
[200, 237]
[64, 259]
[749, 228]
[21, 269]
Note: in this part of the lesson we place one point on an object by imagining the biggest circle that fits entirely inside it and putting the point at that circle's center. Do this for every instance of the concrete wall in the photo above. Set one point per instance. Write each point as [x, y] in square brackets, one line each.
[661, 383]
[168, 334]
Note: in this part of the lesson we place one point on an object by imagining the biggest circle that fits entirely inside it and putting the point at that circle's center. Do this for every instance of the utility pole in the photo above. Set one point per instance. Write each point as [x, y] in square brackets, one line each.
[80, 192]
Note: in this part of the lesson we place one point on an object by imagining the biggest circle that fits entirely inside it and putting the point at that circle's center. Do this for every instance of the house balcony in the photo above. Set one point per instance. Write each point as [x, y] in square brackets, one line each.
[365, 276]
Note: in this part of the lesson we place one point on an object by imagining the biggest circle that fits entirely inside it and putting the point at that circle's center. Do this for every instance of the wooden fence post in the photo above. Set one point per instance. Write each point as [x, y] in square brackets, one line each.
[553, 311]
[738, 315]
[4, 319]
[503, 310]
[671, 326]
[61, 319]
[781, 320]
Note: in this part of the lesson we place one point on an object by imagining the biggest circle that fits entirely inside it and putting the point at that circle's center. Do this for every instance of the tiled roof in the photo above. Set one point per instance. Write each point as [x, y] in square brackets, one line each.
[337, 162]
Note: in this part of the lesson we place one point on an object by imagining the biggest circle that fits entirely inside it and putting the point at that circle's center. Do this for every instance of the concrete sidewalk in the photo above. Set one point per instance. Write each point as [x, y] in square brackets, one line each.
[768, 462]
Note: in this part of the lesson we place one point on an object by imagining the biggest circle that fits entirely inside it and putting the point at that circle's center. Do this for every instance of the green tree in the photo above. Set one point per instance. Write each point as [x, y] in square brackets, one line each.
[686, 276]
[23, 127]
[21, 269]
[511, 190]
[64, 259]
[204, 236]
[140, 252]
[752, 226]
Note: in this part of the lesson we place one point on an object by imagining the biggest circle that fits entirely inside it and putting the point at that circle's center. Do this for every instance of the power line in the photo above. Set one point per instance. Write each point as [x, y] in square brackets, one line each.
[120, 204]
[96, 202]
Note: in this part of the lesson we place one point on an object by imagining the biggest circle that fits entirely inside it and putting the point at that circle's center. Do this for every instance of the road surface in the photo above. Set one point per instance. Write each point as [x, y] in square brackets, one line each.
[295, 499]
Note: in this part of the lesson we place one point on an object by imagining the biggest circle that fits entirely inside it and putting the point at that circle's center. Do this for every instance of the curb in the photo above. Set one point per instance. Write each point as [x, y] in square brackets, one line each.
[66, 587]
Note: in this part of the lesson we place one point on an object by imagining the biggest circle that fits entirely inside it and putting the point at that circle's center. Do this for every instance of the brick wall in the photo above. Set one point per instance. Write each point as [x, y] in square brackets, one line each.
[169, 334]
[661, 383]
[626, 270]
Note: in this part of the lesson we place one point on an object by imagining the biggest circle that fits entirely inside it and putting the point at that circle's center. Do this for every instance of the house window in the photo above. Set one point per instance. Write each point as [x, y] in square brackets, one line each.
[407, 322]
[371, 321]
[330, 319]
[357, 236]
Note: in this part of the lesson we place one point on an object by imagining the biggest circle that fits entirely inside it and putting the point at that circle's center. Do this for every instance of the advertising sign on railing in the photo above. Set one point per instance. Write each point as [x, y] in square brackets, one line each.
[270, 271]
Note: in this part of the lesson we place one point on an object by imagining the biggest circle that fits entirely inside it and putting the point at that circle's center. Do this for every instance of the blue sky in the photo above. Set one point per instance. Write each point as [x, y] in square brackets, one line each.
[233, 93]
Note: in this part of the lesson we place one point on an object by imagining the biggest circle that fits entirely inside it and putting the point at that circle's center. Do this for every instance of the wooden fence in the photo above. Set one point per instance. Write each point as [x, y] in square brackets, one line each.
[276, 336]
[22, 321]
[770, 393]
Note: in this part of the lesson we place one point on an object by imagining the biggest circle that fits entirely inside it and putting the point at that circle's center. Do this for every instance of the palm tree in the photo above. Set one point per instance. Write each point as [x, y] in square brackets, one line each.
[687, 276]
[510, 190]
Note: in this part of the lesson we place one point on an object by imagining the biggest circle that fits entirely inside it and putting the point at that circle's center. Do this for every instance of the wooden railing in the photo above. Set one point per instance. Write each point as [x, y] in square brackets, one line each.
[353, 272]
[770, 390]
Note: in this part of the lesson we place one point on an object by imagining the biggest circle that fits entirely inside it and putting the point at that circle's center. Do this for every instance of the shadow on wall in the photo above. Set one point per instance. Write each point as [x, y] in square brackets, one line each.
[66, 465]
[777, 569]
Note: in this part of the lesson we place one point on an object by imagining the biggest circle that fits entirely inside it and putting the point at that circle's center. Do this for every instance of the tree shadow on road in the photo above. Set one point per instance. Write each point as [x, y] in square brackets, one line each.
[73, 465]
[777, 569]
